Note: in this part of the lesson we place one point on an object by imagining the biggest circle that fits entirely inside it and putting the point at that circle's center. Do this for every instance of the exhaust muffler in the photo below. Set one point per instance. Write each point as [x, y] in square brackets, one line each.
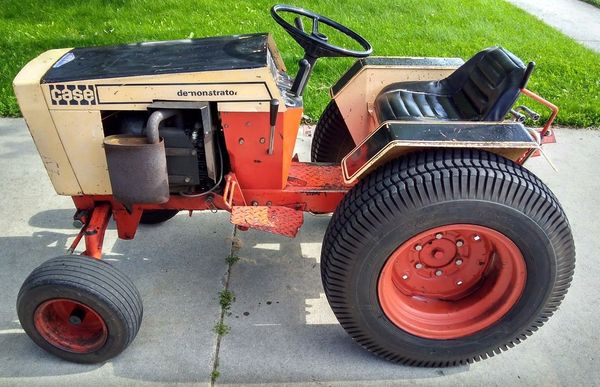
[137, 165]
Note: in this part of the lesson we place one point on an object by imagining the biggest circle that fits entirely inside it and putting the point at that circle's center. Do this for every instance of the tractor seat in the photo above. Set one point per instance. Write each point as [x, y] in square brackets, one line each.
[482, 89]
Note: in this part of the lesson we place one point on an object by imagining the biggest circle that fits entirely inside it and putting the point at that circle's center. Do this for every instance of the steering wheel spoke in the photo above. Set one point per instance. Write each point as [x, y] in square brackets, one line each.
[315, 25]
[315, 31]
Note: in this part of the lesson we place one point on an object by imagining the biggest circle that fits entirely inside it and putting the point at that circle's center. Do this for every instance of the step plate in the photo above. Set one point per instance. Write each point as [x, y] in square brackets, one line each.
[277, 220]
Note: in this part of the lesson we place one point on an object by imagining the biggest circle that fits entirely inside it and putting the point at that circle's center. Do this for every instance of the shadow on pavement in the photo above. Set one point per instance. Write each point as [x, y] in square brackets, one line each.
[178, 268]
[58, 219]
[19, 356]
[282, 329]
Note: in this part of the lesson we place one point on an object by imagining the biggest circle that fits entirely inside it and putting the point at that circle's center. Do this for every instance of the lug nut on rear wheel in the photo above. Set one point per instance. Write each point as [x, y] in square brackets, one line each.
[458, 262]
[419, 266]
[439, 273]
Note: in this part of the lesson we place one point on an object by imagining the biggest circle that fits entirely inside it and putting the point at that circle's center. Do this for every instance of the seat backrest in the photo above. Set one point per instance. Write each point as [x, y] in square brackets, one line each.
[488, 84]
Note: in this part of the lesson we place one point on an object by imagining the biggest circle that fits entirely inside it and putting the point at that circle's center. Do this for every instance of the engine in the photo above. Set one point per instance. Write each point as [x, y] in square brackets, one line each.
[194, 161]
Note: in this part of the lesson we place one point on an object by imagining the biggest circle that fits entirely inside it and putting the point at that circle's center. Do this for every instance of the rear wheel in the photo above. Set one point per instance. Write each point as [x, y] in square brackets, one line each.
[331, 140]
[446, 257]
[157, 216]
[80, 309]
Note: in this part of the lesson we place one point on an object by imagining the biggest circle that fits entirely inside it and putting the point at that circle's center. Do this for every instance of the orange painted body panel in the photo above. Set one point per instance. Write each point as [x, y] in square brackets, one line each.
[247, 139]
[275, 219]
[316, 188]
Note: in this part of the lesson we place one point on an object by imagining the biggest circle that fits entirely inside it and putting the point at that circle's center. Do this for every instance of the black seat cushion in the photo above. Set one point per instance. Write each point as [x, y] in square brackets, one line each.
[482, 89]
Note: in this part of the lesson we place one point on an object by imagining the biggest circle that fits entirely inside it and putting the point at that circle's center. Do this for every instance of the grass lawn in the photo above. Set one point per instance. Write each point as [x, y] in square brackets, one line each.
[567, 73]
[593, 2]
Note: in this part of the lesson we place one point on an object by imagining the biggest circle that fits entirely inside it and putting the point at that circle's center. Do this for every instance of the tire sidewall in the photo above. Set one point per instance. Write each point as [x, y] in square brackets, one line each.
[529, 237]
[117, 340]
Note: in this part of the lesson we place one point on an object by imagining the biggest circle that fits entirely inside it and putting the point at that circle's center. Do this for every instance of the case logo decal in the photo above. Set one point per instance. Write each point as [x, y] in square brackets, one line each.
[78, 95]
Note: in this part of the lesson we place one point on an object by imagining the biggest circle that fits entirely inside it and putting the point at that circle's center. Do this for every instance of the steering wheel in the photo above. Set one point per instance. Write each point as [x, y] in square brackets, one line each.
[315, 44]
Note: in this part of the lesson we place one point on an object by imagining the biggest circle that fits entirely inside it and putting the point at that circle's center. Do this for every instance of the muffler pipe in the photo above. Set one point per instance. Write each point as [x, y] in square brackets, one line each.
[154, 122]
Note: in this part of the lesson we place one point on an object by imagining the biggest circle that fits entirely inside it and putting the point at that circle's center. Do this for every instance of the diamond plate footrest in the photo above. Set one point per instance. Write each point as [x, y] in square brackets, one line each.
[277, 220]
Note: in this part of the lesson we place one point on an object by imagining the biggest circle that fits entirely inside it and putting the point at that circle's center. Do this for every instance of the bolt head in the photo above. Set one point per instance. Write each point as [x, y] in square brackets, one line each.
[405, 277]
[459, 282]
[241, 141]
[460, 243]
[458, 262]
[418, 247]
[262, 140]
[419, 266]
[438, 235]
[476, 237]
[439, 273]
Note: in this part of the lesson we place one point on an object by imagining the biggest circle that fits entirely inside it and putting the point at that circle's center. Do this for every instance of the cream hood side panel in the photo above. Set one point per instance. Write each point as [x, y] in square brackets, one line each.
[41, 126]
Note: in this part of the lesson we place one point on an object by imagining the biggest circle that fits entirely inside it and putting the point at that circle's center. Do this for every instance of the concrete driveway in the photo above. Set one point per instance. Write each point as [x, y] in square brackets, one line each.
[282, 330]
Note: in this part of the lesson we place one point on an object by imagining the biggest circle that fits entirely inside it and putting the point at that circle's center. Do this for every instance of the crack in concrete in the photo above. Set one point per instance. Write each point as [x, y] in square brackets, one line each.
[215, 367]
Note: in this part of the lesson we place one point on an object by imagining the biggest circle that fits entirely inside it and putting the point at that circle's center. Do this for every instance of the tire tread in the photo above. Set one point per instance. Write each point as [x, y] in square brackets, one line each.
[425, 177]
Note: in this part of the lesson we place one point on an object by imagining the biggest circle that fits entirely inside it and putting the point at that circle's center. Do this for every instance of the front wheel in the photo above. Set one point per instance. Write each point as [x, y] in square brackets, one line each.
[80, 309]
[446, 257]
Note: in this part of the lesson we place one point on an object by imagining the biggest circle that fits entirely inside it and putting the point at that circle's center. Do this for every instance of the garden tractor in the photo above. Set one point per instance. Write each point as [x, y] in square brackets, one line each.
[442, 248]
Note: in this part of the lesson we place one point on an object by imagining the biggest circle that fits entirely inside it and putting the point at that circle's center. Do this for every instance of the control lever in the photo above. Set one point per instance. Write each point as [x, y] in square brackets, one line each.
[273, 110]
[530, 113]
[517, 116]
[305, 67]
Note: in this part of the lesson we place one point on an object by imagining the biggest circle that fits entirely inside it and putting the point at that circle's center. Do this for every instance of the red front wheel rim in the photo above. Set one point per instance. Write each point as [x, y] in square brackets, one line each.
[451, 281]
[70, 325]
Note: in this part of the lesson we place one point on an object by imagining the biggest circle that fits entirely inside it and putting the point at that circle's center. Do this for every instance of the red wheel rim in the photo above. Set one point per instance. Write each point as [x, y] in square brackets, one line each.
[70, 325]
[451, 281]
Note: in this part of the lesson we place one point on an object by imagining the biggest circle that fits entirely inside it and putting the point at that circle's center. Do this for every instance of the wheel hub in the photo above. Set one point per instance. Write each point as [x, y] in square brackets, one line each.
[451, 281]
[437, 252]
[445, 265]
[70, 325]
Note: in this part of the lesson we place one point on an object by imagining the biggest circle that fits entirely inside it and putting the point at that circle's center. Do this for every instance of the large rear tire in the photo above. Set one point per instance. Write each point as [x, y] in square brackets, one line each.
[331, 140]
[80, 309]
[446, 257]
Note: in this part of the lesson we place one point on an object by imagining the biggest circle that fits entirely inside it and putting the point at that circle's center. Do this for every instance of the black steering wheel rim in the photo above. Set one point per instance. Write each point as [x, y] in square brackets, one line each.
[314, 45]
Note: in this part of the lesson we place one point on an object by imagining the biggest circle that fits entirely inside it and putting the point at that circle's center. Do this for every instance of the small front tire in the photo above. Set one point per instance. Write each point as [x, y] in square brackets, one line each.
[80, 309]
